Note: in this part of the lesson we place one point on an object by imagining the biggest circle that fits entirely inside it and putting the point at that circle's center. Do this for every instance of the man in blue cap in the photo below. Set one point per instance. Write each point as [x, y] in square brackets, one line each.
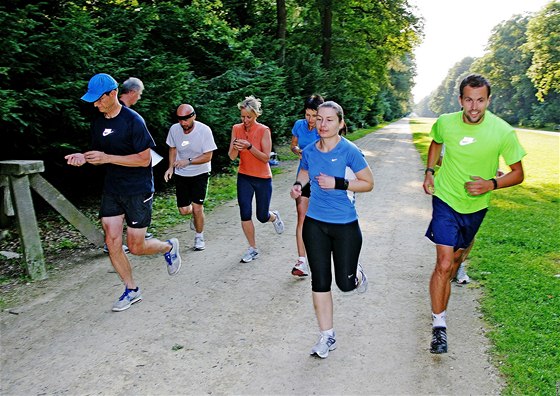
[121, 142]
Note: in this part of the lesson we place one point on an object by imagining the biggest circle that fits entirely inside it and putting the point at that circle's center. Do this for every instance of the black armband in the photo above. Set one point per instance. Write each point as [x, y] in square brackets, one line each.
[340, 183]
[430, 170]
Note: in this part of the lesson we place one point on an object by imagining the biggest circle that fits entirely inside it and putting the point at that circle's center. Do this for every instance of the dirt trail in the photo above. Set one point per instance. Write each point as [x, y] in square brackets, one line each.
[223, 327]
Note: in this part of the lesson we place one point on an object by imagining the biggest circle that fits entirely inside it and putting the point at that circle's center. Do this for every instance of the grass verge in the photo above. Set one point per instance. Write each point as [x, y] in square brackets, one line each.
[516, 259]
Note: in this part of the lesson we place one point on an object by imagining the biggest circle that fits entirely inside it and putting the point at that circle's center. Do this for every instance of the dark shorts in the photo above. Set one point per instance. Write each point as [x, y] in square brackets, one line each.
[451, 228]
[191, 189]
[137, 209]
[306, 190]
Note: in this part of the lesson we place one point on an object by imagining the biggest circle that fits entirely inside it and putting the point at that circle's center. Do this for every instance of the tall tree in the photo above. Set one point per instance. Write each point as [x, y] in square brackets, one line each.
[281, 21]
[544, 41]
[444, 99]
[513, 94]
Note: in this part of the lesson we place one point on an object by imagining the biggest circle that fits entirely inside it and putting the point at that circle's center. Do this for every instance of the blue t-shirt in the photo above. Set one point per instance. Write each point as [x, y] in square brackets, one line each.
[124, 135]
[330, 205]
[304, 136]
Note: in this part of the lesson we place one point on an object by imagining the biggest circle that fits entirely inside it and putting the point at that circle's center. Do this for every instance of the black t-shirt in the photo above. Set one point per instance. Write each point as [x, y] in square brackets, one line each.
[124, 135]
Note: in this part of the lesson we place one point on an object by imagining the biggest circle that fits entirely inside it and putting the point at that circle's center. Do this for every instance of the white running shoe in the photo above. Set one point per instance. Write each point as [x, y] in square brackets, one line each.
[323, 346]
[462, 278]
[361, 286]
[173, 258]
[278, 223]
[250, 255]
[199, 243]
[300, 269]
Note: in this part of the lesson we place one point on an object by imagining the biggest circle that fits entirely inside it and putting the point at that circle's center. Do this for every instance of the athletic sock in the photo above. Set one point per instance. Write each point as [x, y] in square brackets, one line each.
[439, 319]
[328, 333]
[302, 259]
[199, 234]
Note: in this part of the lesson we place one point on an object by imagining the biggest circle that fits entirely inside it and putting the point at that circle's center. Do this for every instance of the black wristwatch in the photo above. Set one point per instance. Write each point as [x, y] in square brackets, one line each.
[430, 170]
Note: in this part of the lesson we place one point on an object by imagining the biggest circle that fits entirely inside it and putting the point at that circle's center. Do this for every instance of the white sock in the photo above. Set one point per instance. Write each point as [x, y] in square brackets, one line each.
[302, 259]
[439, 319]
[199, 234]
[328, 333]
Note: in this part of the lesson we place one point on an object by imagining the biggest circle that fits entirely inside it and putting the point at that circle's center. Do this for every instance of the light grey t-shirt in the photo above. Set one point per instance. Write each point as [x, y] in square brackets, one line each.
[199, 141]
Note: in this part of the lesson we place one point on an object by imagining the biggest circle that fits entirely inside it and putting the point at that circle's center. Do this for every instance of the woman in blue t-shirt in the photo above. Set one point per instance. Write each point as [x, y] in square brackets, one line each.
[331, 229]
[304, 133]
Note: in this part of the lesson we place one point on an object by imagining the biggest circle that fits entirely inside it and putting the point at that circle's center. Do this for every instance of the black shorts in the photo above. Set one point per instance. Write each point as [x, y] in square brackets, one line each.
[191, 189]
[137, 209]
[306, 190]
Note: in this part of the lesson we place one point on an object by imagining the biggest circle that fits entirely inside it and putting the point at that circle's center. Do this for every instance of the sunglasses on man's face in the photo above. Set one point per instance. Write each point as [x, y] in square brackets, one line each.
[186, 117]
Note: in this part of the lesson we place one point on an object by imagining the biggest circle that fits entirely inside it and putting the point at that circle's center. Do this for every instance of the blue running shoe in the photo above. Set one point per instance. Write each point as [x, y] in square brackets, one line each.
[173, 258]
[128, 298]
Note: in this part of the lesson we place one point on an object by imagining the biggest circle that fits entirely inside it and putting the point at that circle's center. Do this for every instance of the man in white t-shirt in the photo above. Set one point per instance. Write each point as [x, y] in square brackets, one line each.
[191, 145]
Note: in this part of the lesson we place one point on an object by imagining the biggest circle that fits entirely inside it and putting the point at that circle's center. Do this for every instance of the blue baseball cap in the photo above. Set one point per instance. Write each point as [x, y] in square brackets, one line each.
[98, 85]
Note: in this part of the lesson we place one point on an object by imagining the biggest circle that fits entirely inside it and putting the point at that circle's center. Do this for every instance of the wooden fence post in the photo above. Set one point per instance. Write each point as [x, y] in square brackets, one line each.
[17, 172]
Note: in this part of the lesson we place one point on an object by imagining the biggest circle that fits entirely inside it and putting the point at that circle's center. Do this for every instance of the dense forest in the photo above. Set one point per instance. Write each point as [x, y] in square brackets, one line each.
[208, 53]
[522, 61]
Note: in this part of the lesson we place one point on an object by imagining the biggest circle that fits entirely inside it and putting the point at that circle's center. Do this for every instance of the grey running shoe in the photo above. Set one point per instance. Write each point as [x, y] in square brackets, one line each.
[278, 223]
[361, 286]
[300, 269]
[250, 255]
[199, 243]
[124, 248]
[128, 298]
[439, 340]
[148, 235]
[323, 346]
[462, 278]
[173, 258]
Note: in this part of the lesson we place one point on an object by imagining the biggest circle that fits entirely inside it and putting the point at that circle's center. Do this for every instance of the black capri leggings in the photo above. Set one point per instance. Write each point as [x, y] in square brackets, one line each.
[344, 241]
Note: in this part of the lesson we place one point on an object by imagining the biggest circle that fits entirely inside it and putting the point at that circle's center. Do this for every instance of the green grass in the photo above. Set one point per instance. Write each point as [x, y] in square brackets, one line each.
[516, 259]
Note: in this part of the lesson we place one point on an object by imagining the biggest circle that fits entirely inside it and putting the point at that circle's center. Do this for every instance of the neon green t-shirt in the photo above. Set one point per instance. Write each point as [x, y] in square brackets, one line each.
[471, 150]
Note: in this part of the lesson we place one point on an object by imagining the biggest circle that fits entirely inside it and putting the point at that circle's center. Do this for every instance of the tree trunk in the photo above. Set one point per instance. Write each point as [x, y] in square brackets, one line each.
[325, 9]
[281, 28]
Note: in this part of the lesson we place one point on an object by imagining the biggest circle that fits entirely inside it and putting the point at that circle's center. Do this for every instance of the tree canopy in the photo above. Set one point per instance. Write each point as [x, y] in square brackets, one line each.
[208, 53]
[522, 62]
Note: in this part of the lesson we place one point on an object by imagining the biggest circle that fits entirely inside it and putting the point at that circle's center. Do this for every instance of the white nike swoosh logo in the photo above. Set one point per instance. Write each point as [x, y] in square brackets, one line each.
[134, 222]
[467, 140]
[107, 131]
[333, 159]
[184, 143]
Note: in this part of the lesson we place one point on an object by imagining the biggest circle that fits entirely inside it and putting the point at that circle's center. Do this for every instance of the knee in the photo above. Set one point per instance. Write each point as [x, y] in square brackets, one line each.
[346, 285]
[186, 210]
[444, 267]
[136, 248]
[263, 218]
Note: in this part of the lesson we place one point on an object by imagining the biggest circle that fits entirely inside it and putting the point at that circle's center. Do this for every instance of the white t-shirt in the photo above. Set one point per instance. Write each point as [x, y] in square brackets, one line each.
[199, 141]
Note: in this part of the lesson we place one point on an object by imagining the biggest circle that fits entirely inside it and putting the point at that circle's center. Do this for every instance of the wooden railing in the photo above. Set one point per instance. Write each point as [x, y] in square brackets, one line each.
[17, 178]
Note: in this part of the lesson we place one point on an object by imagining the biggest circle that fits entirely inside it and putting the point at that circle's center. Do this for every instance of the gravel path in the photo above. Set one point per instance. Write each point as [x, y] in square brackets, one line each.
[223, 327]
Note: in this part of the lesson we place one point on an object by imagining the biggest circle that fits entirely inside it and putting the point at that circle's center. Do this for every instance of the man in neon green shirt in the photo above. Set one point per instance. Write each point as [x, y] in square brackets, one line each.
[474, 140]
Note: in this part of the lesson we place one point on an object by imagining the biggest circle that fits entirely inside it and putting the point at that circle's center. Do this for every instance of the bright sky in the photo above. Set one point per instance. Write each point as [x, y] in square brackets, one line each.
[455, 29]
